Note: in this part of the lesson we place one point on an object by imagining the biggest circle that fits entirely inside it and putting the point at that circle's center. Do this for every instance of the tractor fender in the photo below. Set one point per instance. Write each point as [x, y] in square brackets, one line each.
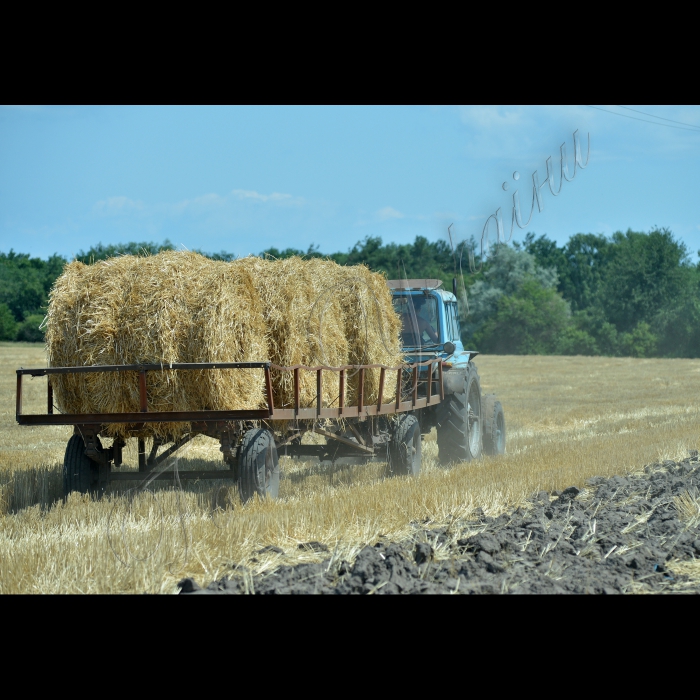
[453, 380]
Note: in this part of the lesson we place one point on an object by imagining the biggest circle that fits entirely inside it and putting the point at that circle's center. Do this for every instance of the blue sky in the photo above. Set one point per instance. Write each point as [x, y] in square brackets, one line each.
[242, 179]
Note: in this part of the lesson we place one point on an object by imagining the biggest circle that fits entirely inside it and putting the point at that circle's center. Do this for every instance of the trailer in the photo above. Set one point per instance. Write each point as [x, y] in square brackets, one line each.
[438, 386]
[250, 440]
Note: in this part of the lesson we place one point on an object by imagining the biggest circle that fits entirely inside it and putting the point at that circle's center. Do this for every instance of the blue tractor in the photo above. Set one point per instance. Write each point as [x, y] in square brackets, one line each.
[467, 423]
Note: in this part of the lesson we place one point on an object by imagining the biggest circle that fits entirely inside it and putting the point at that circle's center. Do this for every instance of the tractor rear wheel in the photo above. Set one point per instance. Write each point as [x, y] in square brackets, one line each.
[80, 473]
[459, 422]
[405, 446]
[258, 465]
[494, 426]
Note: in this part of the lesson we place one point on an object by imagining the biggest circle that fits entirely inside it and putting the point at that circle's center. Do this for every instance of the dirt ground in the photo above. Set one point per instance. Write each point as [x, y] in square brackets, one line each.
[634, 534]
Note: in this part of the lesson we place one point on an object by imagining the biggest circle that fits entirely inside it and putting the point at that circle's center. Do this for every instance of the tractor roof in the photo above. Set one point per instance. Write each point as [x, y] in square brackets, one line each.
[422, 284]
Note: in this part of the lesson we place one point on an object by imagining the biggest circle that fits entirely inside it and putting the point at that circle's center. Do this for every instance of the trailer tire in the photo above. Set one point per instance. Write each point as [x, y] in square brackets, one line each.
[80, 473]
[405, 446]
[494, 426]
[459, 422]
[258, 465]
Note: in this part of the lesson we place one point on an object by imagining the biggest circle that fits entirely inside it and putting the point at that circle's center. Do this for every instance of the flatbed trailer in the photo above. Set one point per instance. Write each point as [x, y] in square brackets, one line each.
[250, 439]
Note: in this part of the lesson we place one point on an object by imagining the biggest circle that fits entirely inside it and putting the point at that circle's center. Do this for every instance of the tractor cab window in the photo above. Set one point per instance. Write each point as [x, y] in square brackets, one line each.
[419, 319]
[452, 321]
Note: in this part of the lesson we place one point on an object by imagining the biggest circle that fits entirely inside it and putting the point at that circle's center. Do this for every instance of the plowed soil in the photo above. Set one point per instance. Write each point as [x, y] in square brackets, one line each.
[633, 534]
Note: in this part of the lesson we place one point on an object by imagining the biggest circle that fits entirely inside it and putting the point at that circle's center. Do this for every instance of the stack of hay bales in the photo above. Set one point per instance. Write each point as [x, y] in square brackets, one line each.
[183, 307]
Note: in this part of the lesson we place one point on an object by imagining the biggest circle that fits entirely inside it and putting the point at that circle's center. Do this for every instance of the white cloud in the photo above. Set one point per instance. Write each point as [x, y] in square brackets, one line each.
[114, 206]
[202, 205]
[256, 196]
[389, 213]
[492, 116]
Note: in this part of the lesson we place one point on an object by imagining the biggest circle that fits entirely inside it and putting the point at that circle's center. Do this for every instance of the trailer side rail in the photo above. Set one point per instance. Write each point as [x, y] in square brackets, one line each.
[270, 412]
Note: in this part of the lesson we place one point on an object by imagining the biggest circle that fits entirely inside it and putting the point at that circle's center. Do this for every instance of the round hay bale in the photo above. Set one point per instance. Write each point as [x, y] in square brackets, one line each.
[299, 332]
[170, 307]
[370, 324]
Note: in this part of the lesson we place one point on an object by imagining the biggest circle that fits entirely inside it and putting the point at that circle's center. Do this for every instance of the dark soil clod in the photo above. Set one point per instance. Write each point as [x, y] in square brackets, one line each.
[270, 549]
[616, 536]
[422, 553]
[188, 585]
[314, 546]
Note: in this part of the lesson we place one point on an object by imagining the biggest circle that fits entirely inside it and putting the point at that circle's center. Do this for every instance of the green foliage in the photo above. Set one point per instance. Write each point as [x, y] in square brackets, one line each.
[639, 342]
[8, 325]
[276, 254]
[678, 327]
[422, 258]
[25, 282]
[102, 252]
[528, 321]
[29, 330]
[635, 294]
[576, 341]
[632, 294]
[503, 275]
[645, 274]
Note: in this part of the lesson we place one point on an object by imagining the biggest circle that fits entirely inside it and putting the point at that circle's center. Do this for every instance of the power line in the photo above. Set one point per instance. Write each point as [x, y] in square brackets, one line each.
[655, 117]
[648, 121]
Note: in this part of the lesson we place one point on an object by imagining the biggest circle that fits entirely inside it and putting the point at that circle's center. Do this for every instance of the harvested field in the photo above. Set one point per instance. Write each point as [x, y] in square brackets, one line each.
[569, 419]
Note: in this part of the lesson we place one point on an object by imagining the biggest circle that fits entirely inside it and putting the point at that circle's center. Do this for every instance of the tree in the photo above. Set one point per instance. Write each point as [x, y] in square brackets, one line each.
[580, 265]
[102, 252]
[645, 274]
[276, 254]
[8, 325]
[503, 275]
[29, 330]
[529, 321]
[24, 283]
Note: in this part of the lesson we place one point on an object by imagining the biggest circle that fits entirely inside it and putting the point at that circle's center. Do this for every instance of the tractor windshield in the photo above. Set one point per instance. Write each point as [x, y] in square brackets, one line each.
[419, 319]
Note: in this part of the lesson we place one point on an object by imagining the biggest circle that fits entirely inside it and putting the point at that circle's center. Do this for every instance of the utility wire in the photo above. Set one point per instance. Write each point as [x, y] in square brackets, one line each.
[648, 121]
[655, 117]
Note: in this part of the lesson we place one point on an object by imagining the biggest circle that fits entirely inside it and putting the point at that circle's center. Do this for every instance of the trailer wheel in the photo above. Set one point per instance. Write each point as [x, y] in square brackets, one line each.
[405, 446]
[494, 426]
[459, 422]
[258, 465]
[80, 473]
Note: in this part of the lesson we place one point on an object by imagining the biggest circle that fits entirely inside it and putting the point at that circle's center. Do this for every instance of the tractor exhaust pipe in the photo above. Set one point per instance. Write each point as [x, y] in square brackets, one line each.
[454, 286]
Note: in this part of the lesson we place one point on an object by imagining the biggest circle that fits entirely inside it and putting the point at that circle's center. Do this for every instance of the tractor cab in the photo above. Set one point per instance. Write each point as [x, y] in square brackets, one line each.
[430, 321]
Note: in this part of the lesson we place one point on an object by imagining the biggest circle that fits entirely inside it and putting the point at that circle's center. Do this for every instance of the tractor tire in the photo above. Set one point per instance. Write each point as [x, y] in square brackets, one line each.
[494, 426]
[459, 422]
[258, 465]
[80, 473]
[405, 447]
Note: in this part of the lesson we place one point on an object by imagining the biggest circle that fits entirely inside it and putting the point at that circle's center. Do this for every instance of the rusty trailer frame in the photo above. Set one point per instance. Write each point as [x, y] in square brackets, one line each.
[90, 424]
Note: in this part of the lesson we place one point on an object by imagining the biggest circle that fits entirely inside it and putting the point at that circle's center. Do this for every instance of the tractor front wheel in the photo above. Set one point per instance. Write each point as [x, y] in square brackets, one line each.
[459, 422]
[494, 426]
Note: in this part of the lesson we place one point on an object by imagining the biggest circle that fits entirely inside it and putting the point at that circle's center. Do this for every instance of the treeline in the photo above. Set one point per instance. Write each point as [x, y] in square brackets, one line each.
[631, 294]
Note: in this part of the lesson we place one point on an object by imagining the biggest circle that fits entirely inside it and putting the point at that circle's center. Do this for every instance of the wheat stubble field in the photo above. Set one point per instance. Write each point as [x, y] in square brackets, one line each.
[568, 419]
